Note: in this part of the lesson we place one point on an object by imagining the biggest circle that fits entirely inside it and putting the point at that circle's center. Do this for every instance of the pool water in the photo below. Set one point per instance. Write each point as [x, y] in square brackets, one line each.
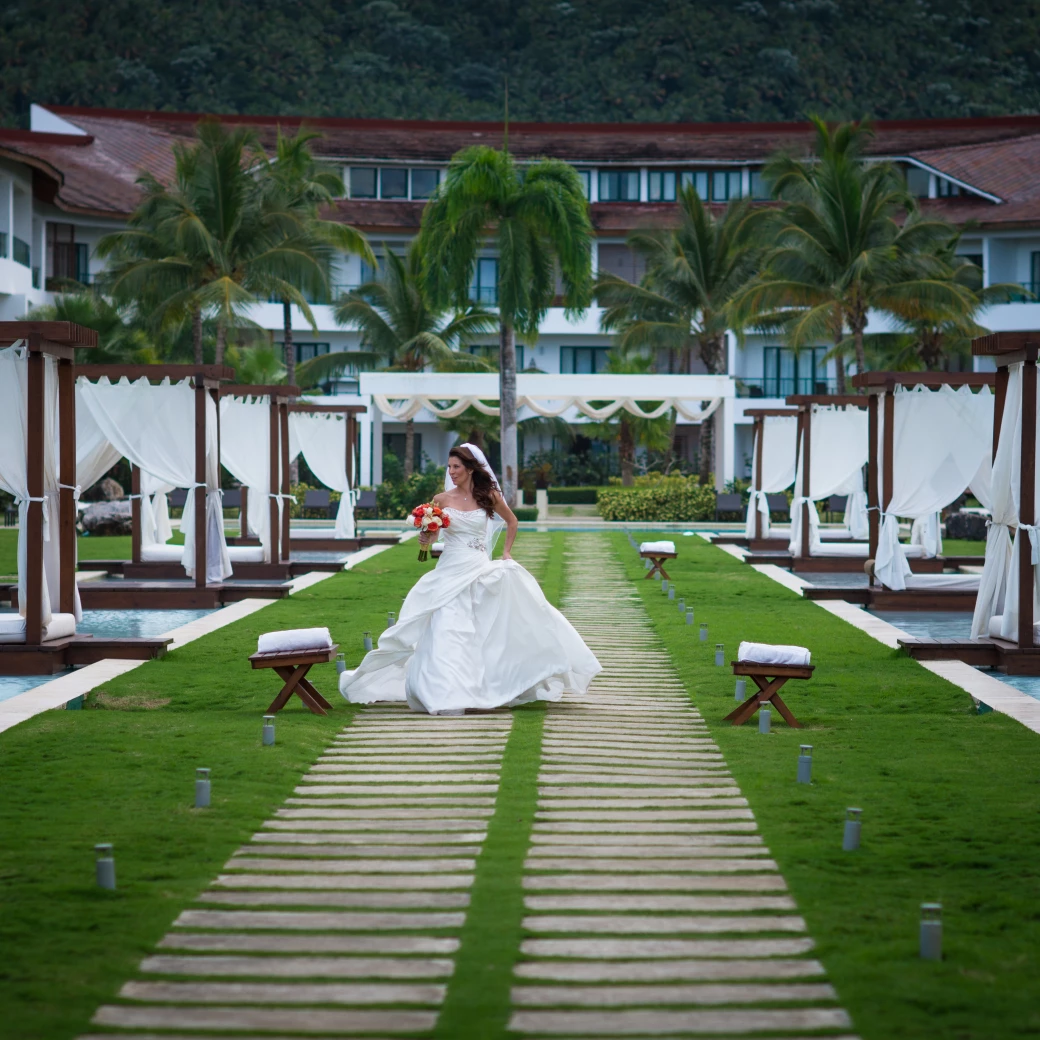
[12, 685]
[138, 624]
[952, 624]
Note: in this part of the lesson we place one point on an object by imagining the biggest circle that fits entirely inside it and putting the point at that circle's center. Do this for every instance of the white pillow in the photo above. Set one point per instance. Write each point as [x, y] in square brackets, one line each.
[657, 547]
[767, 653]
[291, 639]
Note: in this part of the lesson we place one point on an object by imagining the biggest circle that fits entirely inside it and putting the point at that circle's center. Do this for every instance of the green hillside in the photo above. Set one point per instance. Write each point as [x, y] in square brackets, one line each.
[610, 60]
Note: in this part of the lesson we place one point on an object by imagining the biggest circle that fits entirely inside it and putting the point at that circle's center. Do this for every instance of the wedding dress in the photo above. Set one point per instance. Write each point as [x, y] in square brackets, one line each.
[473, 633]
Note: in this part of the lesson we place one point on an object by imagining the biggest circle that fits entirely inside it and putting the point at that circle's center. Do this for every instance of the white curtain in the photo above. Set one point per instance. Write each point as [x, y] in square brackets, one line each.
[838, 452]
[14, 437]
[940, 439]
[156, 528]
[322, 438]
[153, 427]
[993, 585]
[245, 449]
[778, 447]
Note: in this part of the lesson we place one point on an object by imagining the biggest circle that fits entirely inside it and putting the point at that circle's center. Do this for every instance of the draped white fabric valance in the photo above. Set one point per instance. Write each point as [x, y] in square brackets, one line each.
[322, 439]
[778, 448]
[941, 439]
[14, 474]
[690, 409]
[838, 451]
[245, 449]
[153, 427]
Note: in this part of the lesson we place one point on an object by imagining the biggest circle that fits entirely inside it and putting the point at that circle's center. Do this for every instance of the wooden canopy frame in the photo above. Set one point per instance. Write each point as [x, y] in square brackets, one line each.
[206, 380]
[759, 415]
[60, 340]
[880, 387]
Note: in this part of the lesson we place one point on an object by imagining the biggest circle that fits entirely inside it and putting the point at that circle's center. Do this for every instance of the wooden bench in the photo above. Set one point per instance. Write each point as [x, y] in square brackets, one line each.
[768, 678]
[657, 559]
[293, 666]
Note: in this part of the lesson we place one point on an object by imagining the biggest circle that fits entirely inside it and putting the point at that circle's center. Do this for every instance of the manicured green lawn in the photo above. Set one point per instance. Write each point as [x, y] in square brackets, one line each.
[950, 805]
[114, 547]
[963, 547]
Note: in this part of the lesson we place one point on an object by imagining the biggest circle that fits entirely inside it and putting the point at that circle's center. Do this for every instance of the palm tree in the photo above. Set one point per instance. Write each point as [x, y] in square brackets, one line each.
[849, 240]
[681, 304]
[298, 188]
[208, 244]
[400, 328]
[631, 431]
[538, 223]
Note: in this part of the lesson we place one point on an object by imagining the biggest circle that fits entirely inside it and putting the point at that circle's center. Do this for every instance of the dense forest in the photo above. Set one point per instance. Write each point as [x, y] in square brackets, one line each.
[567, 60]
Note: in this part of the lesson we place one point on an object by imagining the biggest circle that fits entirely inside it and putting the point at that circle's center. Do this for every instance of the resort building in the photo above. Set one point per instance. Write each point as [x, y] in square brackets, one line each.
[70, 179]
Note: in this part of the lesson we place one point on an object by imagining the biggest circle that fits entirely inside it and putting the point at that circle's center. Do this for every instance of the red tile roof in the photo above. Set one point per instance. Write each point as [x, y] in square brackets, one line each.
[95, 173]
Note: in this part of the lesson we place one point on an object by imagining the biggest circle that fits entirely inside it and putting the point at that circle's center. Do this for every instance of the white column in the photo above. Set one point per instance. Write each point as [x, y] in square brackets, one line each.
[593, 185]
[377, 446]
[725, 446]
[985, 261]
[364, 476]
[644, 184]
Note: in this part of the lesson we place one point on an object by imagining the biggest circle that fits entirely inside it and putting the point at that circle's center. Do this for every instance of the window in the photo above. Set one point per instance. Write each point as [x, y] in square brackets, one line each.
[725, 185]
[619, 186]
[484, 287]
[490, 351]
[66, 258]
[946, 189]
[306, 351]
[362, 182]
[424, 183]
[1034, 273]
[917, 181]
[699, 181]
[620, 260]
[786, 372]
[972, 258]
[393, 444]
[393, 183]
[583, 360]
[759, 188]
[585, 176]
[661, 185]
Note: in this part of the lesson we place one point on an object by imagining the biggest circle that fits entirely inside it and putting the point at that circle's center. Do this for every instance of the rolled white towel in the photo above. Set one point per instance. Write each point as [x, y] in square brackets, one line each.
[291, 639]
[768, 653]
[652, 547]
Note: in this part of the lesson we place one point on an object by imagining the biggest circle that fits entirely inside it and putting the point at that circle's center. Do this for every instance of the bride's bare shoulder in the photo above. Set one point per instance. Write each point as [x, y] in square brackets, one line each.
[442, 499]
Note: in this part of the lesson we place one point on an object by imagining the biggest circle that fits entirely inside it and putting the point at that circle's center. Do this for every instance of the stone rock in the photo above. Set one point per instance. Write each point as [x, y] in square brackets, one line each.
[107, 518]
[970, 526]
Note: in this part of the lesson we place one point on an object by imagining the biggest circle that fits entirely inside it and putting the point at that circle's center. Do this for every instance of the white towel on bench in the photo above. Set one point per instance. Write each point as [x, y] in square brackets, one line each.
[657, 547]
[291, 639]
[767, 653]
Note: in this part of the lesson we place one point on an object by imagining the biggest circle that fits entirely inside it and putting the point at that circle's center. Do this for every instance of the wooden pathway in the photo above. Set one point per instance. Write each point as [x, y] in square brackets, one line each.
[652, 905]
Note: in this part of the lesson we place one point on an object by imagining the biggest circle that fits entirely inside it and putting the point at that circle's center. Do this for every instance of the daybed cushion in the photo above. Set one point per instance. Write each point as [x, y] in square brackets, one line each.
[161, 553]
[947, 582]
[12, 628]
[246, 553]
[768, 653]
[291, 639]
[313, 532]
[657, 547]
[845, 549]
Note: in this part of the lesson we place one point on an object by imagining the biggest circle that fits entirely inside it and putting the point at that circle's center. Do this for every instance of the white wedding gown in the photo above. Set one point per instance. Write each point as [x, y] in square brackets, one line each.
[473, 633]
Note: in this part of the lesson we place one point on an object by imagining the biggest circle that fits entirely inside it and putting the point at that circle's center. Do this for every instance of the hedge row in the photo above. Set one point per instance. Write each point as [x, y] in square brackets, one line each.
[671, 501]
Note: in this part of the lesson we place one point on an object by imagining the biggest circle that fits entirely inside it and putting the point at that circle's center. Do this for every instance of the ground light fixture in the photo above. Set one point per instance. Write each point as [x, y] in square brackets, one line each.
[720, 655]
[341, 663]
[764, 720]
[682, 606]
[671, 592]
[268, 731]
[105, 866]
[689, 617]
[390, 620]
[704, 631]
[368, 641]
[202, 788]
[646, 566]
[664, 584]
[931, 932]
[805, 763]
[850, 839]
[740, 691]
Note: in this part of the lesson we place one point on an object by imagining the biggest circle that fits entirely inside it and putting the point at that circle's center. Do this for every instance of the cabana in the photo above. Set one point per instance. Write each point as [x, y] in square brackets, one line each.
[774, 462]
[1004, 632]
[169, 432]
[929, 441]
[39, 466]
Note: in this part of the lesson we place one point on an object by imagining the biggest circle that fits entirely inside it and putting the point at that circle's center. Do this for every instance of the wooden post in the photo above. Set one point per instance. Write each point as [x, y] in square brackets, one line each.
[275, 452]
[760, 424]
[351, 446]
[243, 512]
[284, 416]
[67, 478]
[806, 473]
[888, 451]
[1026, 506]
[873, 499]
[999, 400]
[35, 408]
[135, 513]
[200, 481]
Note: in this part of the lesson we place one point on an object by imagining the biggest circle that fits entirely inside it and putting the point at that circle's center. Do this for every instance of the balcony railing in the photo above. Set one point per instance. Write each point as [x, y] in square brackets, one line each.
[770, 386]
[22, 254]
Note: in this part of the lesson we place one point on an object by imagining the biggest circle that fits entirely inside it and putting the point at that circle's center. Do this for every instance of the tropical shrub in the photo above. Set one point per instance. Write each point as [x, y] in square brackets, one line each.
[573, 496]
[667, 500]
[398, 495]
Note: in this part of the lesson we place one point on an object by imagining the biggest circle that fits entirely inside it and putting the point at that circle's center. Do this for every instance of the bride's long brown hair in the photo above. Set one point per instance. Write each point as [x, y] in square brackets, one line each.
[484, 487]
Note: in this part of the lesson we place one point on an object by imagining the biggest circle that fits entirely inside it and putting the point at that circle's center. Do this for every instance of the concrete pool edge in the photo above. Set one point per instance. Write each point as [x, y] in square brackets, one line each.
[77, 683]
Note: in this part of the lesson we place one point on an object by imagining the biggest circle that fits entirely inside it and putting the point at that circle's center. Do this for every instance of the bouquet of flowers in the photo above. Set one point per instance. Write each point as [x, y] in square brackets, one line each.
[429, 519]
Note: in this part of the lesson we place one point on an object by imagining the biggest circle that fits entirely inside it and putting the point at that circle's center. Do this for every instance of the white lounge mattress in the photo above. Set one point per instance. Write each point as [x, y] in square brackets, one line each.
[12, 628]
[174, 553]
[944, 582]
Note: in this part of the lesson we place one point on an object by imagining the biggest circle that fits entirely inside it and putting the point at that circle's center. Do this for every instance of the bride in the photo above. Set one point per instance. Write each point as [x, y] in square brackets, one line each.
[473, 633]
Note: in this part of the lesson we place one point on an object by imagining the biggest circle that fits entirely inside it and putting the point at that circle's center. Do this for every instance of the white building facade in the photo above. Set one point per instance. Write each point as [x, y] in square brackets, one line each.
[70, 179]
